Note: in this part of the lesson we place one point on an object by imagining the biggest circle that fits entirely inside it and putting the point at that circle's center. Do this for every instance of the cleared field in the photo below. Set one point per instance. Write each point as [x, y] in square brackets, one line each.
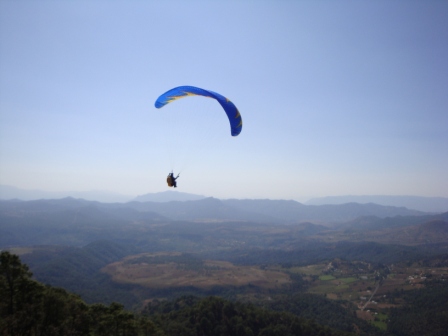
[308, 270]
[326, 277]
[348, 280]
[172, 274]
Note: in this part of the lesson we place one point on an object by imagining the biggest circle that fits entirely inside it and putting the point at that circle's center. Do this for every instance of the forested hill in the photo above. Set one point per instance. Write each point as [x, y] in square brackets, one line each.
[35, 309]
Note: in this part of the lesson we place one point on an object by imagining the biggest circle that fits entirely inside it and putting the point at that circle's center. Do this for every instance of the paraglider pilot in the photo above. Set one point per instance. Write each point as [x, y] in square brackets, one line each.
[171, 180]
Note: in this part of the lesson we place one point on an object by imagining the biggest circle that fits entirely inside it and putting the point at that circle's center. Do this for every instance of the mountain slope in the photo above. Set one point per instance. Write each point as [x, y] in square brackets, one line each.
[430, 232]
[367, 223]
[292, 211]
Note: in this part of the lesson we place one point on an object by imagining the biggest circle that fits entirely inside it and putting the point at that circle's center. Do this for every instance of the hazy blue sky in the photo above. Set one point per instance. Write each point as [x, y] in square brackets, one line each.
[337, 97]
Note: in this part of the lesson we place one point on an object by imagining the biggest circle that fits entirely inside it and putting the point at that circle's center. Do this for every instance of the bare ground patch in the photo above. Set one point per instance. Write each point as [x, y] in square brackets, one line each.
[172, 274]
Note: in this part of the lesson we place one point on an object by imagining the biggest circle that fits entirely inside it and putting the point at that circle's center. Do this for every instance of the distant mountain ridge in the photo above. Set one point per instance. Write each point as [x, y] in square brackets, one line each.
[168, 196]
[212, 209]
[426, 204]
[155, 226]
[10, 192]
[419, 203]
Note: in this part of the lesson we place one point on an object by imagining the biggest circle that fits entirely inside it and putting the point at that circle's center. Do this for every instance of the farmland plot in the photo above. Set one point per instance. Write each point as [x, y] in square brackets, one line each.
[162, 270]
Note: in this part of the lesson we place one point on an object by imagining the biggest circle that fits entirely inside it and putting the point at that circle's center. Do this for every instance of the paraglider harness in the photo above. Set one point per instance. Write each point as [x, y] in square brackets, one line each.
[171, 180]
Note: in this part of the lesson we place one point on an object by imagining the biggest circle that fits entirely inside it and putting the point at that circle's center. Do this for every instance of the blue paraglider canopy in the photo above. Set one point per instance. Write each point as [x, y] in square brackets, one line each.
[236, 123]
